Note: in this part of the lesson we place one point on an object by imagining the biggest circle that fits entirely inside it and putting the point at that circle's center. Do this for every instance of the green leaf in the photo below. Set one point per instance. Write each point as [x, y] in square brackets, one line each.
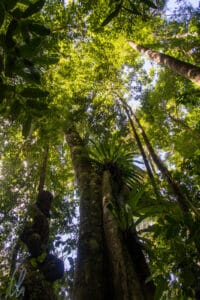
[2, 14]
[39, 29]
[42, 257]
[112, 15]
[33, 8]
[33, 262]
[33, 93]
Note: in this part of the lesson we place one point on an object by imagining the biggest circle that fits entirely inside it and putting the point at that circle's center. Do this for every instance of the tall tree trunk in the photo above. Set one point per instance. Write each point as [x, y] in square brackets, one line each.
[125, 280]
[89, 281]
[182, 68]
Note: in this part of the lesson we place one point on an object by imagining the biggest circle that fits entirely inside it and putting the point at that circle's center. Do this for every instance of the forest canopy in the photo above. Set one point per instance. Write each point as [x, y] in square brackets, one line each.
[100, 150]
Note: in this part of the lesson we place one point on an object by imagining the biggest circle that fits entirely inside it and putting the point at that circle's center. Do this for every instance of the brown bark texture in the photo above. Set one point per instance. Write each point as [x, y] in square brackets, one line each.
[125, 280]
[89, 281]
[129, 269]
[182, 68]
[105, 263]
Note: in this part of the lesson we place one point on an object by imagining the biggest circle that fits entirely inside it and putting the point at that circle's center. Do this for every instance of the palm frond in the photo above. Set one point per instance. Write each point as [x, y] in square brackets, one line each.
[118, 157]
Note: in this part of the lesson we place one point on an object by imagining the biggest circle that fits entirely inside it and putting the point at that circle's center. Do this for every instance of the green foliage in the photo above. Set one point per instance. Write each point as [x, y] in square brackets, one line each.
[118, 158]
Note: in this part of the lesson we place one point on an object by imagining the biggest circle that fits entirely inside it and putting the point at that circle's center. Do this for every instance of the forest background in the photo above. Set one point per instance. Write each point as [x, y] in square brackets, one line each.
[76, 97]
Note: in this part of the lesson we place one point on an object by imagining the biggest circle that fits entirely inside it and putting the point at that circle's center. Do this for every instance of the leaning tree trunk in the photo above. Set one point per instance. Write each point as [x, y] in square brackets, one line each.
[182, 68]
[182, 200]
[128, 111]
[89, 279]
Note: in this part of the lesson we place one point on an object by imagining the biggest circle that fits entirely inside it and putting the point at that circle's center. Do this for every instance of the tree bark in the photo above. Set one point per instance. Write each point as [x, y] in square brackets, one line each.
[89, 281]
[125, 280]
[182, 68]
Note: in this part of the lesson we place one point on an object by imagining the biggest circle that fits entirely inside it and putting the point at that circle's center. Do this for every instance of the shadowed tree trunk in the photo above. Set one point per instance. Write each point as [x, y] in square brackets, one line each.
[105, 268]
[127, 261]
[182, 68]
[125, 280]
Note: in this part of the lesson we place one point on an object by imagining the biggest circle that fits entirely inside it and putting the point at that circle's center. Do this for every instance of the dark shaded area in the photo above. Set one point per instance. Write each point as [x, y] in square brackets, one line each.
[42, 267]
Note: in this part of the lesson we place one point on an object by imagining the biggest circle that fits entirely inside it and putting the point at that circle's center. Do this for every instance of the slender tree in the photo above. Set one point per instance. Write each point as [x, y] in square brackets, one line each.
[141, 148]
[182, 68]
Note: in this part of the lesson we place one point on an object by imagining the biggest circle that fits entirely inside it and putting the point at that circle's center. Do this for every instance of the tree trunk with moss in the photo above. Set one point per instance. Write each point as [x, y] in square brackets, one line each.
[89, 279]
[182, 68]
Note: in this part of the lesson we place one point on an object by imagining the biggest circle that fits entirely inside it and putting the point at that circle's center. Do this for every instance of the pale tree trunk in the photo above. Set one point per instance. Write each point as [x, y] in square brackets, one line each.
[89, 281]
[182, 68]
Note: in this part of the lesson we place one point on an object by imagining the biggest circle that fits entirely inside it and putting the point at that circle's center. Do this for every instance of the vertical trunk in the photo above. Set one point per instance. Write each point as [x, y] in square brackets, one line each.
[140, 264]
[89, 279]
[125, 280]
[182, 68]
